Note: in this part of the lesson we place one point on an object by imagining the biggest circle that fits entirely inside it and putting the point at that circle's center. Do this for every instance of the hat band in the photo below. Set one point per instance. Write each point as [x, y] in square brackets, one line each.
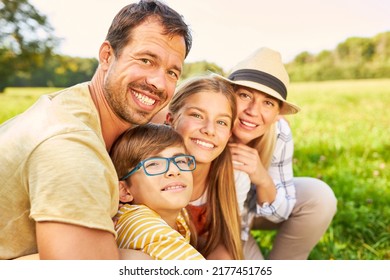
[261, 78]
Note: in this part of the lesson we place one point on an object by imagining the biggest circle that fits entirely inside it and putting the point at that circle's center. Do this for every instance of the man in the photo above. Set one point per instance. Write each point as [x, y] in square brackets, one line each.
[58, 187]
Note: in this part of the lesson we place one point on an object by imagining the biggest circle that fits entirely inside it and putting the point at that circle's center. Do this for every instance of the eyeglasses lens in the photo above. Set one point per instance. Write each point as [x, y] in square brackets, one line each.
[161, 165]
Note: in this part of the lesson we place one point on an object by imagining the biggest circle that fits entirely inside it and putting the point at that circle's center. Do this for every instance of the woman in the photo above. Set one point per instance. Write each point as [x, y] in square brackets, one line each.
[203, 111]
[301, 209]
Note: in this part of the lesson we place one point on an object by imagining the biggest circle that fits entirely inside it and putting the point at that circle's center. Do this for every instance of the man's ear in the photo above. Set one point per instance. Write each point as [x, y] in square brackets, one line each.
[105, 55]
[124, 192]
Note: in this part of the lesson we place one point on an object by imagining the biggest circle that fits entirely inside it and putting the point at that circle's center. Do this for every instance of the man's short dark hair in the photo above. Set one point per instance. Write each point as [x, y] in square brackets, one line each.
[132, 15]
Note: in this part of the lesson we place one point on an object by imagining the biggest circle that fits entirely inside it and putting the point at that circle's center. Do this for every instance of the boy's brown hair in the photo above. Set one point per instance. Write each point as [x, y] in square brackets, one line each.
[136, 144]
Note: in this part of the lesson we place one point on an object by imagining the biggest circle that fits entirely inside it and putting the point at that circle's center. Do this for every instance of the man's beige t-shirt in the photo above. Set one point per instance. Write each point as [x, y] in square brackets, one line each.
[54, 167]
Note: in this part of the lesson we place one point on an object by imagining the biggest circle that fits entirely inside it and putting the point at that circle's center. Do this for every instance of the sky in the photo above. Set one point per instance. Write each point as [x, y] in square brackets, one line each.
[226, 31]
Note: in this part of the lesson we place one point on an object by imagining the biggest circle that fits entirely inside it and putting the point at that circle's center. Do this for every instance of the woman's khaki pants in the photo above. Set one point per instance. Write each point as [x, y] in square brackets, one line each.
[296, 237]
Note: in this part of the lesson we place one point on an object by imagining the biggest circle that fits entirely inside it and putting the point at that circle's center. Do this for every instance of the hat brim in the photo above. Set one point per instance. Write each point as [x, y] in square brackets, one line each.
[288, 108]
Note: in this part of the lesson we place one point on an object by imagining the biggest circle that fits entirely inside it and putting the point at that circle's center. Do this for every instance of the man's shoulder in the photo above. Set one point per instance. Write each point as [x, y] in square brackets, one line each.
[72, 109]
[81, 88]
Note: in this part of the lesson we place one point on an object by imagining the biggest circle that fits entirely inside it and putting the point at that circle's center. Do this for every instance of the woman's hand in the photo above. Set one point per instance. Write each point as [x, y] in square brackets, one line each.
[248, 160]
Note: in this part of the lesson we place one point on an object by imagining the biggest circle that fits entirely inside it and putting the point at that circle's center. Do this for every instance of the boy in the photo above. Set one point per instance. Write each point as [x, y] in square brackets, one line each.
[155, 177]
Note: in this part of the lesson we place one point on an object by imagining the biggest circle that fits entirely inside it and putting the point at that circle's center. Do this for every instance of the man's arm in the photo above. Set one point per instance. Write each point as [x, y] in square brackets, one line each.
[129, 254]
[125, 254]
[72, 242]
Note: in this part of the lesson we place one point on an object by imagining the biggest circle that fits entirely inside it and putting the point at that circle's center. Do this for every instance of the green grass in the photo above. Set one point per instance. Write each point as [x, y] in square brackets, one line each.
[15, 100]
[342, 136]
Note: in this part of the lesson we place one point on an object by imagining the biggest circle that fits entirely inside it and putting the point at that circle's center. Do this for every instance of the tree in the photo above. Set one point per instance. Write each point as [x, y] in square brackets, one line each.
[200, 67]
[355, 58]
[26, 39]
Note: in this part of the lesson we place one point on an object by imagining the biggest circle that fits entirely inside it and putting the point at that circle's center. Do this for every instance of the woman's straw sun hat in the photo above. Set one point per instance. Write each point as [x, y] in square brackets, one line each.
[264, 71]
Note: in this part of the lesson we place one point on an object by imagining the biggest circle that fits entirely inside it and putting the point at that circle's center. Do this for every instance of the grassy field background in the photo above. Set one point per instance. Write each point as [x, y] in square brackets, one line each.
[342, 135]
[15, 100]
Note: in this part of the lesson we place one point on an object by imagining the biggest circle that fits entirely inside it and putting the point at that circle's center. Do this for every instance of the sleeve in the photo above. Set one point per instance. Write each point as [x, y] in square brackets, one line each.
[281, 172]
[142, 230]
[72, 180]
[243, 184]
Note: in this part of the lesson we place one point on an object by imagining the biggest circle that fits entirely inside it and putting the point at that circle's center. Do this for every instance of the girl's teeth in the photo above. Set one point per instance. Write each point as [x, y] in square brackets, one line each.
[144, 99]
[204, 144]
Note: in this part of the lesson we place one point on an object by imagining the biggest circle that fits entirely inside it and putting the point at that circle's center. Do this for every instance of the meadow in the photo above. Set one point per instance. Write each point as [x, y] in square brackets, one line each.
[341, 136]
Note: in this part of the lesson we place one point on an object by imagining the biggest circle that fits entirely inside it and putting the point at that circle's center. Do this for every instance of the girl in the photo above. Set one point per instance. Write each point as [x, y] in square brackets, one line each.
[203, 111]
[155, 174]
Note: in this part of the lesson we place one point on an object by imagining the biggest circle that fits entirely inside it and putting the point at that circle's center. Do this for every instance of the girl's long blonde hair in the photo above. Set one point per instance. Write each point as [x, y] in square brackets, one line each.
[222, 216]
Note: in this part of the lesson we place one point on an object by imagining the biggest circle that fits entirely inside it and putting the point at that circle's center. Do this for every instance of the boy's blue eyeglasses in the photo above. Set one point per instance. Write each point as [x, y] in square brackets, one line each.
[160, 165]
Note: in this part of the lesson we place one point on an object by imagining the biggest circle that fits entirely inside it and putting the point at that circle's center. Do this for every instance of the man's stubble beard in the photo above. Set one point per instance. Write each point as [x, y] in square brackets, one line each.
[118, 102]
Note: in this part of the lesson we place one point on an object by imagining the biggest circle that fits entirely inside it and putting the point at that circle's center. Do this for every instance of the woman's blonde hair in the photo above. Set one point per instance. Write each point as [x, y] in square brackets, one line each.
[265, 145]
[222, 216]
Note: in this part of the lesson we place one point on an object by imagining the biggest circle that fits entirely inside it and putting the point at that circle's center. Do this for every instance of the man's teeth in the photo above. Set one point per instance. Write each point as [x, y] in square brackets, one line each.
[144, 99]
[204, 144]
[172, 188]
[248, 124]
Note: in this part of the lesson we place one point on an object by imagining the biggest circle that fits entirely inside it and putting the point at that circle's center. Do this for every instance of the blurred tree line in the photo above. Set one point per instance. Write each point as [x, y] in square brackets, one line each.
[27, 50]
[355, 58]
[28, 58]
